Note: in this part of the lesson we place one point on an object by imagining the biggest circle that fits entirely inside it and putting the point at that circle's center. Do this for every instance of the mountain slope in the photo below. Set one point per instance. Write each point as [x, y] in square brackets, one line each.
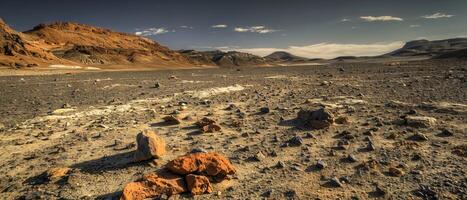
[225, 59]
[430, 48]
[282, 56]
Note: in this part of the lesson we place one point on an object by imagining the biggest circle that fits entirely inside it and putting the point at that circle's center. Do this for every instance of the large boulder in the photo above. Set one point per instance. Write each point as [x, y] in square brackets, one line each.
[317, 119]
[210, 164]
[153, 186]
[198, 184]
[149, 146]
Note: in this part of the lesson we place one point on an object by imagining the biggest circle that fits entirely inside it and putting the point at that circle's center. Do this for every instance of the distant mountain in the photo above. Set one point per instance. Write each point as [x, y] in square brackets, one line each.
[430, 48]
[79, 44]
[282, 56]
[224, 59]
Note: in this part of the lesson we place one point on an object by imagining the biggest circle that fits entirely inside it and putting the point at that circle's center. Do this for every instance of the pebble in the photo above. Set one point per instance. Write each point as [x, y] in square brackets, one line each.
[334, 182]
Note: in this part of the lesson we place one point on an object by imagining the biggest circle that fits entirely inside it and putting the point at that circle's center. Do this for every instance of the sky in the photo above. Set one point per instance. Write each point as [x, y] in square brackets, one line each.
[309, 28]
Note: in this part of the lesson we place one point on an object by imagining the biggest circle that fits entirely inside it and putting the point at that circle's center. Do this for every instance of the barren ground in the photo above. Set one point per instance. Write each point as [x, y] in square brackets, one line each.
[94, 133]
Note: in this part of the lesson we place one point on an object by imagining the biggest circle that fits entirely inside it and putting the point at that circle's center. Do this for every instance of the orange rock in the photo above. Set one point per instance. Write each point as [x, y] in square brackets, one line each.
[208, 125]
[211, 164]
[57, 172]
[198, 184]
[149, 146]
[153, 186]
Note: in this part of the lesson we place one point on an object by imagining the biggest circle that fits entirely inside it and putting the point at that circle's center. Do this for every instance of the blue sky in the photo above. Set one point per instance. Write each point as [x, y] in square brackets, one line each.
[305, 27]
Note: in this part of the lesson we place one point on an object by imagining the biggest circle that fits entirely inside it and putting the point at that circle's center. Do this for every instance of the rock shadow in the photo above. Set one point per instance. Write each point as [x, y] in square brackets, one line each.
[108, 163]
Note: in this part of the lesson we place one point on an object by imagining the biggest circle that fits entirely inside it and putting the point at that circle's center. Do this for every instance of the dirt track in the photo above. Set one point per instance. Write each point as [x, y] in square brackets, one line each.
[89, 121]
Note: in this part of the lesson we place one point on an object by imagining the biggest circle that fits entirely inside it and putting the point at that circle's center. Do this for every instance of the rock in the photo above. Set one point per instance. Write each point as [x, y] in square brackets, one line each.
[317, 119]
[444, 133]
[208, 125]
[153, 186]
[149, 146]
[342, 120]
[334, 182]
[259, 157]
[198, 150]
[419, 137]
[280, 165]
[320, 164]
[57, 173]
[395, 172]
[157, 85]
[295, 141]
[420, 121]
[198, 184]
[210, 164]
[351, 158]
[370, 146]
[171, 119]
[264, 110]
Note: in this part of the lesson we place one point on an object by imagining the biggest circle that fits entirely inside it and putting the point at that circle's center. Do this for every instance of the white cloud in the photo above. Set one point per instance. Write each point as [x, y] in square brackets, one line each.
[219, 26]
[151, 31]
[437, 15]
[186, 27]
[345, 20]
[330, 50]
[415, 26]
[381, 18]
[254, 29]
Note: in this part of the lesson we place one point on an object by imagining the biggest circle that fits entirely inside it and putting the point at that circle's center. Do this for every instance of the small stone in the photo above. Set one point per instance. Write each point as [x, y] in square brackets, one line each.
[198, 150]
[342, 120]
[171, 119]
[259, 157]
[57, 173]
[320, 164]
[334, 182]
[395, 172]
[351, 158]
[264, 110]
[445, 133]
[157, 85]
[280, 165]
[370, 146]
[419, 137]
[420, 121]
[295, 141]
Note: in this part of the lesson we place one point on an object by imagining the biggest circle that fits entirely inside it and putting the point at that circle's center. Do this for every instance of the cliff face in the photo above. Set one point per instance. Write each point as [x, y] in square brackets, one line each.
[73, 43]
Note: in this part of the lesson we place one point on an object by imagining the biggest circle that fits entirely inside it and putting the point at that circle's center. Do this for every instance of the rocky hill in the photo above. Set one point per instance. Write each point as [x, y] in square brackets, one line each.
[430, 48]
[282, 56]
[73, 43]
[225, 59]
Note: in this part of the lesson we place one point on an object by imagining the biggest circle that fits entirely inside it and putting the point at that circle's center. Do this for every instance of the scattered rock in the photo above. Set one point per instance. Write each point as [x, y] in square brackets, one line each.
[420, 121]
[198, 150]
[320, 164]
[153, 186]
[419, 137]
[395, 172]
[317, 119]
[171, 119]
[149, 146]
[342, 120]
[258, 157]
[208, 125]
[198, 184]
[264, 110]
[334, 182]
[157, 85]
[445, 133]
[57, 173]
[211, 164]
[295, 141]
[351, 158]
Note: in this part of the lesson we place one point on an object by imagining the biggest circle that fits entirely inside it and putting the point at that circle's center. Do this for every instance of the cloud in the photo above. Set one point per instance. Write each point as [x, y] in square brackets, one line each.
[330, 50]
[415, 26]
[381, 18]
[151, 31]
[345, 20]
[186, 27]
[219, 26]
[254, 29]
[437, 15]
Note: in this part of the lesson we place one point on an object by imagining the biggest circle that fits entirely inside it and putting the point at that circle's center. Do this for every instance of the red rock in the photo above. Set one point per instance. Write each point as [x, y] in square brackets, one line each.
[208, 125]
[57, 172]
[210, 164]
[153, 186]
[198, 184]
[149, 146]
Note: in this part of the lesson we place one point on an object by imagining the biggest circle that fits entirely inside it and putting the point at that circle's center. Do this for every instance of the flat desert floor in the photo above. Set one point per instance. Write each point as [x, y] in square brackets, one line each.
[402, 133]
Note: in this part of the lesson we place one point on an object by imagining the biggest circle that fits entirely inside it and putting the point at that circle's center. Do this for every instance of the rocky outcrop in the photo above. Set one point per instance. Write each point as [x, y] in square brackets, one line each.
[153, 186]
[430, 48]
[282, 56]
[225, 59]
[210, 164]
[198, 184]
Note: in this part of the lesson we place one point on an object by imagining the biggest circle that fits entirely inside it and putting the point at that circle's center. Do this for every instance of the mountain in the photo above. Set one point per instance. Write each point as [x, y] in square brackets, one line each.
[225, 59]
[430, 48]
[79, 44]
[282, 56]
